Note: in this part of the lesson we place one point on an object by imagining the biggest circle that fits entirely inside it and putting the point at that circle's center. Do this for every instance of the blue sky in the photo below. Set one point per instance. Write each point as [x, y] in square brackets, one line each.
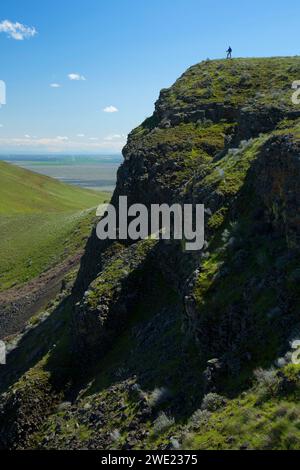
[124, 52]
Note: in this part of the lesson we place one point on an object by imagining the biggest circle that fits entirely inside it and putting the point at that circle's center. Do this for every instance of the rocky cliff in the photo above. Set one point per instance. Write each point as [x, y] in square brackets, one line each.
[225, 135]
[167, 341]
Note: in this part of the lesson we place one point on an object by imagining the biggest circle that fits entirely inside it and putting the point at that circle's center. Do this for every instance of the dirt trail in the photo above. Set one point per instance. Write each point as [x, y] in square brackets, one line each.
[19, 304]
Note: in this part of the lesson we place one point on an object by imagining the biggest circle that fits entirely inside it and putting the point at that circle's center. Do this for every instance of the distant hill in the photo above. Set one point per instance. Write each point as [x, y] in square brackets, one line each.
[42, 222]
[22, 191]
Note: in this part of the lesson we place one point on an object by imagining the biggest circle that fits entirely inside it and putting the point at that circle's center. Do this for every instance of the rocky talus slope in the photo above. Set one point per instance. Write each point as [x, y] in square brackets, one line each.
[161, 348]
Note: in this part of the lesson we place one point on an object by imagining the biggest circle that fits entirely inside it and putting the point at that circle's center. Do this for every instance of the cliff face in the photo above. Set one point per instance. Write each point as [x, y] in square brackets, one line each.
[156, 329]
[224, 135]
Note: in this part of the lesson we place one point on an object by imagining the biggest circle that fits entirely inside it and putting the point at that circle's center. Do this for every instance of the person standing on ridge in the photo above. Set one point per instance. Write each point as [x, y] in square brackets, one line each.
[229, 53]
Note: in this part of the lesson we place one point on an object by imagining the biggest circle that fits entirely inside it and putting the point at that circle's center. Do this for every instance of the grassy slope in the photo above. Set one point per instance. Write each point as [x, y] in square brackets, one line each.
[22, 191]
[42, 221]
[242, 82]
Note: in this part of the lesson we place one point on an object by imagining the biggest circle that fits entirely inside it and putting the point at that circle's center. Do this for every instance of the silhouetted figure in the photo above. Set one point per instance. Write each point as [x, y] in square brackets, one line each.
[229, 53]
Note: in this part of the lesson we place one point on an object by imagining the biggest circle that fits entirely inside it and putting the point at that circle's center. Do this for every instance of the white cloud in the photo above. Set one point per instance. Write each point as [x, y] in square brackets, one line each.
[80, 135]
[76, 77]
[93, 139]
[17, 31]
[1, 125]
[114, 137]
[55, 85]
[27, 136]
[58, 144]
[110, 109]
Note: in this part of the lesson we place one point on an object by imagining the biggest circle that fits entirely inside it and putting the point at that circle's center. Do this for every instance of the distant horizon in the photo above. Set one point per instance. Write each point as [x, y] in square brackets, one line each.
[97, 172]
[60, 154]
[79, 81]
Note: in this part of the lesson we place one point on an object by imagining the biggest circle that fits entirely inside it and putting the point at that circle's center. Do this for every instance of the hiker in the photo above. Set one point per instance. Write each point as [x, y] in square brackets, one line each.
[229, 52]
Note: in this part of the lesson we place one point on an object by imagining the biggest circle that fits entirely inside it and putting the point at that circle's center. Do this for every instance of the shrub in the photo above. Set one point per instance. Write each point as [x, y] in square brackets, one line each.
[225, 236]
[268, 380]
[162, 423]
[291, 372]
[137, 392]
[281, 362]
[159, 396]
[175, 443]
[198, 418]
[115, 435]
[213, 402]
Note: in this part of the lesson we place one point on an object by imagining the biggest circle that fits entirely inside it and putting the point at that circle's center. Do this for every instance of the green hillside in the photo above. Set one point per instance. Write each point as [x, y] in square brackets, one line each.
[22, 191]
[42, 221]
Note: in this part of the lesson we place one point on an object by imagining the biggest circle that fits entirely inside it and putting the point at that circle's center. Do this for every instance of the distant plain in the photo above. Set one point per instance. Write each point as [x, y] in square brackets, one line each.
[90, 172]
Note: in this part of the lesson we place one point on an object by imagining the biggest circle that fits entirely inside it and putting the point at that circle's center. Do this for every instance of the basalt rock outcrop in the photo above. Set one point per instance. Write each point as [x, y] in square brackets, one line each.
[225, 135]
[153, 328]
